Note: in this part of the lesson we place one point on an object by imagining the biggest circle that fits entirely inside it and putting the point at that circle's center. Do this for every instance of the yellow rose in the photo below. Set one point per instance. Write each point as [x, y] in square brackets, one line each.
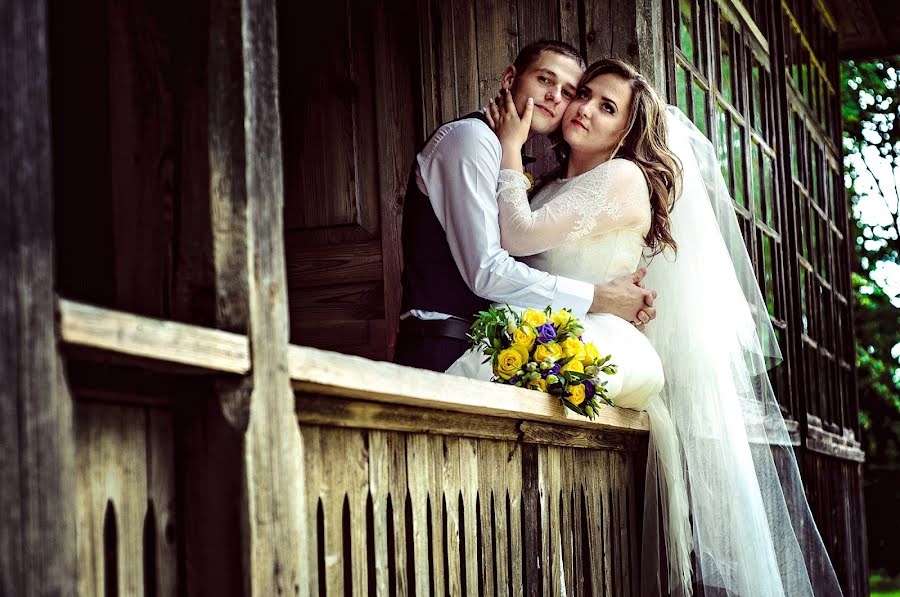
[539, 384]
[591, 354]
[534, 318]
[522, 350]
[573, 365]
[548, 350]
[509, 361]
[572, 347]
[525, 336]
[577, 396]
[562, 317]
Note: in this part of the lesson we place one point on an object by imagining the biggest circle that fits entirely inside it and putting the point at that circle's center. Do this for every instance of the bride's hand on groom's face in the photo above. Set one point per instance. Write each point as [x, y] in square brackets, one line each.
[503, 117]
[627, 298]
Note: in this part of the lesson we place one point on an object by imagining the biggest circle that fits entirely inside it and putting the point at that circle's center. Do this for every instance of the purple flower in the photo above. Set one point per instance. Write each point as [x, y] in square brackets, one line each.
[589, 389]
[554, 370]
[514, 380]
[546, 333]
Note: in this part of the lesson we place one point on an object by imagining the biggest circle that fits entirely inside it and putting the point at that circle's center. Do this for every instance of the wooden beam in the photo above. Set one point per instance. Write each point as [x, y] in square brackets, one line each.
[275, 557]
[146, 337]
[126, 338]
[37, 466]
[329, 373]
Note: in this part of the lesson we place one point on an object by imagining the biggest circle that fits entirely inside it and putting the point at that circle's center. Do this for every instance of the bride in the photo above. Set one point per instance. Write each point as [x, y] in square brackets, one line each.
[638, 182]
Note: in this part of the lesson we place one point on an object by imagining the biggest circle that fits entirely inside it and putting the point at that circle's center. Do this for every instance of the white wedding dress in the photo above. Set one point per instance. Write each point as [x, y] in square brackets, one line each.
[721, 473]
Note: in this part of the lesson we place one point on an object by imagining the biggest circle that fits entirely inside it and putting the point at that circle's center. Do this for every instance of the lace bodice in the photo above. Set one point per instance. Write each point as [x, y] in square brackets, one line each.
[590, 227]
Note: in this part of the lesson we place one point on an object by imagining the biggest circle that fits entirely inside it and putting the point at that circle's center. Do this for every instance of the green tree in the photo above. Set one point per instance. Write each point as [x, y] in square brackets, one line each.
[871, 114]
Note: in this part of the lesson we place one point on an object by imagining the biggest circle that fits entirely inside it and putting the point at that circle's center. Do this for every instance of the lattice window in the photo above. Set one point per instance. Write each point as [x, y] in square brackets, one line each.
[759, 79]
[810, 45]
[723, 81]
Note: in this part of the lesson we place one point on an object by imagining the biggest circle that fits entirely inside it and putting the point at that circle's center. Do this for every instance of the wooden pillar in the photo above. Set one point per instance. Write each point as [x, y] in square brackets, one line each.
[651, 46]
[251, 294]
[37, 492]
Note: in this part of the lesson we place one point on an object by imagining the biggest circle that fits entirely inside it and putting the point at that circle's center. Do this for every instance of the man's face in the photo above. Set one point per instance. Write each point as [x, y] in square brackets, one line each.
[551, 79]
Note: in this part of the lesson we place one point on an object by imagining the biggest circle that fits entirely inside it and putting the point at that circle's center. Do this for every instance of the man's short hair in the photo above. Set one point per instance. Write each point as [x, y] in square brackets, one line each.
[529, 53]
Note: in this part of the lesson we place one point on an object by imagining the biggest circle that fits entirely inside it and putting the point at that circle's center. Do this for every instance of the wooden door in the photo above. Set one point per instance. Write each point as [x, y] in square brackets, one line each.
[348, 140]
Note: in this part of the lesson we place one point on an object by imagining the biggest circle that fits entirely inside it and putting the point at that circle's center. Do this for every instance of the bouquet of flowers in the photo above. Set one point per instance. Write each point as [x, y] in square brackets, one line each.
[543, 350]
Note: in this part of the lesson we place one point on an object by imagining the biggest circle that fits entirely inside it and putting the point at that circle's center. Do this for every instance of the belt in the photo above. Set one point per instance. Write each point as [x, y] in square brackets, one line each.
[446, 328]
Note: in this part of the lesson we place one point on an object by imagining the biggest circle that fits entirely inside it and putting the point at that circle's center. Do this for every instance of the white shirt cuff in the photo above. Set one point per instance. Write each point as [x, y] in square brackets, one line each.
[573, 294]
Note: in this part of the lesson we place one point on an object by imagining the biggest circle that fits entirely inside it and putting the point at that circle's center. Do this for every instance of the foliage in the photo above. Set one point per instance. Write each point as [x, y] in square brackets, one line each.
[871, 115]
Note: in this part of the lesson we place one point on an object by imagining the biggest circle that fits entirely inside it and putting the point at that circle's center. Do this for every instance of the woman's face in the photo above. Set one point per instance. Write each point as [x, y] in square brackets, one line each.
[596, 119]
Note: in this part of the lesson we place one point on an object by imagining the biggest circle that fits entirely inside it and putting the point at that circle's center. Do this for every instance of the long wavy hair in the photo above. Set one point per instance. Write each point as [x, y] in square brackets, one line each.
[644, 143]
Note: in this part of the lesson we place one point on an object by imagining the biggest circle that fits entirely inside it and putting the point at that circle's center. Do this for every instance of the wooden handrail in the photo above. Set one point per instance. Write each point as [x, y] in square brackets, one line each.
[321, 372]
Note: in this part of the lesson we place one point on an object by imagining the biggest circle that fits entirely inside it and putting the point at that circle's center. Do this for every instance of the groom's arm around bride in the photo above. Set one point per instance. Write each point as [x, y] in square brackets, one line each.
[454, 265]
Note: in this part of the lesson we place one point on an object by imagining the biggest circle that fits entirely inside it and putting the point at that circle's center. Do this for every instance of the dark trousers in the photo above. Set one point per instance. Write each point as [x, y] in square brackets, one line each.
[425, 350]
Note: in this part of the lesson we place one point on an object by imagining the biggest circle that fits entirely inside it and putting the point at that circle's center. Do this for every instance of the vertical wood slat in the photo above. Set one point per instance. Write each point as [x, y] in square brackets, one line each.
[111, 463]
[37, 529]
[161, 493]
[497, 43]
[469, 467]
[419, 475]
[437, 472]
[396, 144]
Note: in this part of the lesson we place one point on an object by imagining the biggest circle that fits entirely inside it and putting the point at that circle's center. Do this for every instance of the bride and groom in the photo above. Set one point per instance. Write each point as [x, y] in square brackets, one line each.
[637, 200]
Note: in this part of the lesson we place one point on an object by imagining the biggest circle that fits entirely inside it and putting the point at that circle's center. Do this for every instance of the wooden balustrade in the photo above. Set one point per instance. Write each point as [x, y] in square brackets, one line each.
[413, 481]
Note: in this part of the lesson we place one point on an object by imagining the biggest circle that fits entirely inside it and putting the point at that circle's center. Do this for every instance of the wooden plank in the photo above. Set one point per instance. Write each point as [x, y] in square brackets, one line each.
[348, 471]
[332, 495]
[514, 490]
[436, 503]
[136, 335]
[161, 493]
[418, 472]
[309, 266]
[37, 529]
[570, 24]
[556, 435]
[321, 372]
[112, 463]
[531, 533]
[650, 40]
[555, 528]
[452, 487]
[497, 44]
[487, 469]
[379, 486]
[396, 144]
[315, 489]
[340, 302]
[398, 490]
[276, 556]
[323, 410]
[193, 277]
[142, 136]
[547, 532]
[468, 479]
[567, 519]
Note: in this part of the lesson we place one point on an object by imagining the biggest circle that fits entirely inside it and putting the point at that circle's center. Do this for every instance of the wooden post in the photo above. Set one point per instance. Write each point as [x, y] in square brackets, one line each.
[37, 492]
[650, 34]
[251, 295]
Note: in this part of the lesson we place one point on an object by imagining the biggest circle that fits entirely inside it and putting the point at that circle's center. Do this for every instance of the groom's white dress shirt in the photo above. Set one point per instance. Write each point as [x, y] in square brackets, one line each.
[458, 171]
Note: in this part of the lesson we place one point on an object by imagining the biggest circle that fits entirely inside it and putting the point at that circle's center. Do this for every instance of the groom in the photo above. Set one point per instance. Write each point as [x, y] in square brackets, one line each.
[454, 265]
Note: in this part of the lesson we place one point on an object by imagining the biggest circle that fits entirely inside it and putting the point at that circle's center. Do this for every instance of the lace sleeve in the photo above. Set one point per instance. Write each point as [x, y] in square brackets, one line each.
[612, 196]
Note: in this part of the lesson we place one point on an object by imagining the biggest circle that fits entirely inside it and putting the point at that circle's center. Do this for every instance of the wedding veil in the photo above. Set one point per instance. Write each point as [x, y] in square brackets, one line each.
[750, 529]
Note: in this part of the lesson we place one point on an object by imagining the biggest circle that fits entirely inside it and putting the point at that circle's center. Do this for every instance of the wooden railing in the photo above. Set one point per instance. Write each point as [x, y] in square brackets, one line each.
[411, 481]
